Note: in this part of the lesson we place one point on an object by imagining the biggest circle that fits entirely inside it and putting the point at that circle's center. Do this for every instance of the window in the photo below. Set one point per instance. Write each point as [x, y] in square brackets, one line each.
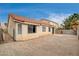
[43, 28]
[31, 28]
[49, 29]
[19, 28]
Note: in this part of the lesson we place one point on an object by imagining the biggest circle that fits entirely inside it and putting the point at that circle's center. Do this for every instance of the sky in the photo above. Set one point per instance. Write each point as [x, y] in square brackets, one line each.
[52, 11]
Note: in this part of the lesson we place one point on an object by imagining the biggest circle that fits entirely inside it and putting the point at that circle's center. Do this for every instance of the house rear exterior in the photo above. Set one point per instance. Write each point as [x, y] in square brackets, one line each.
[21, 28]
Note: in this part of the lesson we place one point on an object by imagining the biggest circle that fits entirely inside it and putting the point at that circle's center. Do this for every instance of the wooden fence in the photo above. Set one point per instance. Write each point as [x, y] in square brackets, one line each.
[70, 32]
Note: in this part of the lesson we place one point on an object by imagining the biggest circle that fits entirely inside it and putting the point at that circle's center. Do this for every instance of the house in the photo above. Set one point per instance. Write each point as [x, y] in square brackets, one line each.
[21, 28]
[54, 24]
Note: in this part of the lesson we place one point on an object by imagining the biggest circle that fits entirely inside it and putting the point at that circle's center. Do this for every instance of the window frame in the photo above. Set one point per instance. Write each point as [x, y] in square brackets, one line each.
[33, 28]
[19, 28]
[43, 28]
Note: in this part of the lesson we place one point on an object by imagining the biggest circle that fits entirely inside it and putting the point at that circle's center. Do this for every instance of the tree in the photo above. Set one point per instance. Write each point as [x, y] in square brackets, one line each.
[71, 21]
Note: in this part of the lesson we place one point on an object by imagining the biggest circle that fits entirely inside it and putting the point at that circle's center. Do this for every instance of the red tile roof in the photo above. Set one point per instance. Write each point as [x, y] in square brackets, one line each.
[23, 19]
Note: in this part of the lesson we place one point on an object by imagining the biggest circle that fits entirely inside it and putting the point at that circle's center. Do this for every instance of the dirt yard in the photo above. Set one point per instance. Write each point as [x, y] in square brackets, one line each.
[52, 45]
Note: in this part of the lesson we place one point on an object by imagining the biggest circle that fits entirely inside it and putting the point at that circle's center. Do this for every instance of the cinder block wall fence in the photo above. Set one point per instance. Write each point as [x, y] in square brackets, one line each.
[78, 32]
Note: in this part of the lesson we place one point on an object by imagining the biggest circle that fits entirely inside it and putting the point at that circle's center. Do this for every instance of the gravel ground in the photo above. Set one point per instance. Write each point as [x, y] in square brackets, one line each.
[52, 45]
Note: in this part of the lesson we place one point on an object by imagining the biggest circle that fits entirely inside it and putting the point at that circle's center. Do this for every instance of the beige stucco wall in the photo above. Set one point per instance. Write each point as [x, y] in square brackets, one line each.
[11, 26]
[55, 25]
[26, 36]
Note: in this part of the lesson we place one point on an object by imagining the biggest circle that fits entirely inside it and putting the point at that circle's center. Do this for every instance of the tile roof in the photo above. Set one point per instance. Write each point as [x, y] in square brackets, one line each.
[49, 21]
[23, 19]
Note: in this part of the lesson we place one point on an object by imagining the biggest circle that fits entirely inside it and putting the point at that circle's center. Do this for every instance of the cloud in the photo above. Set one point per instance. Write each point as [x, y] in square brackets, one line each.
[58, 17]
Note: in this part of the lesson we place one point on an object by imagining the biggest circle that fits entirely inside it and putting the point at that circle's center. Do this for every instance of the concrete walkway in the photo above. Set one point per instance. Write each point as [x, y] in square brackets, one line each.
[52, 45]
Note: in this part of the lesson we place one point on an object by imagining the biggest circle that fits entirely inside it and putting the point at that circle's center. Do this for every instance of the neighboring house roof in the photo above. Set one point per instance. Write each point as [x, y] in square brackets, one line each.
[49, 21]
[23, 19]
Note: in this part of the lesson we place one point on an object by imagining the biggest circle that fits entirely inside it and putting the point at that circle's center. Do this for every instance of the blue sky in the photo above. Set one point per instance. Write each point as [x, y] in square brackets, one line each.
[53, 11]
